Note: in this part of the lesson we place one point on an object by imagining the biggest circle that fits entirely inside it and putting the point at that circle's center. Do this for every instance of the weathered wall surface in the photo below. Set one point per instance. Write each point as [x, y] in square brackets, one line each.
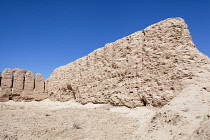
[39, 92]
[20, 85]
[148, 67]
[6, 84]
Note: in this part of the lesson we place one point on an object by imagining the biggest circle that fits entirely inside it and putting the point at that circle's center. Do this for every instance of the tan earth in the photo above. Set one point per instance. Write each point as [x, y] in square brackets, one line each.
[186, 117]
[47, 120]
[151, 85]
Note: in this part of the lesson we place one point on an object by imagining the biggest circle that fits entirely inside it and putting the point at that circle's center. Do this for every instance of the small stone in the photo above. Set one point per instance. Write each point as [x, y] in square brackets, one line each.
[207, 88]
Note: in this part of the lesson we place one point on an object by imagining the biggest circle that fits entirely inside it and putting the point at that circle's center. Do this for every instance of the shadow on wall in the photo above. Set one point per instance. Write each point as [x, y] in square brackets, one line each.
[0, 78]
[21, 85]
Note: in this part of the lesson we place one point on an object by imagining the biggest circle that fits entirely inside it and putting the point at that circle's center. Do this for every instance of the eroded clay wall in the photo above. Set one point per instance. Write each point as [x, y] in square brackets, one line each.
[21, 85]
[146, 67]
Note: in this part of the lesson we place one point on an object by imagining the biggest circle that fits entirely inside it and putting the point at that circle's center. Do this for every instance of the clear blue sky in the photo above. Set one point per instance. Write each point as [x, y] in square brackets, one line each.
[41, 35]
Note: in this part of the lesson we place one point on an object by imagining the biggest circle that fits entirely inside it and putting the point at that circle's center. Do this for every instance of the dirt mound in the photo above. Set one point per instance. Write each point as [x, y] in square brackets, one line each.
[203, 132]
[186, 115]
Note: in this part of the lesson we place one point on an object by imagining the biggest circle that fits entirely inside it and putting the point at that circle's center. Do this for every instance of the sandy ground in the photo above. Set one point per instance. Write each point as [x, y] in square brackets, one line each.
[48, 120]
[186, 117]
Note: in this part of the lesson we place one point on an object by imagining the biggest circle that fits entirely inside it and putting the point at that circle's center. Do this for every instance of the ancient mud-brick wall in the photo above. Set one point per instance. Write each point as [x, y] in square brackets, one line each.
[21, 85]
[147, 67]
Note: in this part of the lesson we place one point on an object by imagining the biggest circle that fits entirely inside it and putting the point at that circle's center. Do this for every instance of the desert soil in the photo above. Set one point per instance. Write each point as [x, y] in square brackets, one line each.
[186, 117]
[48, 120]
